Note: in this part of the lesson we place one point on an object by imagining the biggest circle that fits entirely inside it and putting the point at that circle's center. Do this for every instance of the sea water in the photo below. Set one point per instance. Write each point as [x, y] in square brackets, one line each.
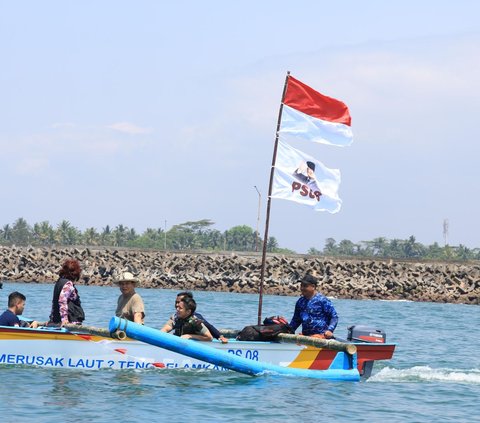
[433, 377]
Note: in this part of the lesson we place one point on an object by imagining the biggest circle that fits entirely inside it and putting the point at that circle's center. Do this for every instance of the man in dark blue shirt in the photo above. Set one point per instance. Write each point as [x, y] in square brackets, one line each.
[16, 305]
[314, 311]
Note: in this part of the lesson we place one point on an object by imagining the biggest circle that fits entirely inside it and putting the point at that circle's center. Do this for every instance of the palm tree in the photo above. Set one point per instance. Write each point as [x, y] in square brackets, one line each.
[61, 234]
[212, 239]
[380, 246]
[120, 234]
[6, 234]
[346, 248]
[106, 236]
[66, 234]
[44, 233]
[462, 252]
[241, 238]
[434, 251]
[330, 247]
[21, 232]
[132, 235]
[91, 236]
[272, 244]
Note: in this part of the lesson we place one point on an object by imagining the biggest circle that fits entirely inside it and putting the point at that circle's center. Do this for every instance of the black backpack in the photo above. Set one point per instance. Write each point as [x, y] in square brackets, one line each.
[271, 327]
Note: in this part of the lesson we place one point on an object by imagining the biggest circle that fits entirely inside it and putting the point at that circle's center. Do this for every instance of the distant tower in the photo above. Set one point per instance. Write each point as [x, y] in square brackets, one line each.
[445, 232]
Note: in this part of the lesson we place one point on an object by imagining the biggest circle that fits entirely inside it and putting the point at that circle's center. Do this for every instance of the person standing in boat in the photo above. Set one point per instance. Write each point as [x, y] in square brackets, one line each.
[66, 304]
[130, 304]
[16, 305]
[213, 330]
[314, 311]
[184, 323]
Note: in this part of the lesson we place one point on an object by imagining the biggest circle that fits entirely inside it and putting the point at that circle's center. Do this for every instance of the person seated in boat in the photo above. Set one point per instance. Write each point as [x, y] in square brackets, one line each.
[16, 305]
[130, 304]
[66, 304]
[213, 330]
[314, 311]
[184, 323]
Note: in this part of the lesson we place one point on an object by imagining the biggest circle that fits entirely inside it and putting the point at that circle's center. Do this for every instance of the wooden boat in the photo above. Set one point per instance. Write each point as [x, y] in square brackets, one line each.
[76, 349]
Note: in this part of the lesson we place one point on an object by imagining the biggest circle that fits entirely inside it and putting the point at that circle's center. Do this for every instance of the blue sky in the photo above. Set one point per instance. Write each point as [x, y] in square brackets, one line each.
[140, 112]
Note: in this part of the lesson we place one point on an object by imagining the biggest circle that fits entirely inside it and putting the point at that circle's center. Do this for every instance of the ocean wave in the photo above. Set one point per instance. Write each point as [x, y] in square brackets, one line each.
[397, 301]
[427, 374]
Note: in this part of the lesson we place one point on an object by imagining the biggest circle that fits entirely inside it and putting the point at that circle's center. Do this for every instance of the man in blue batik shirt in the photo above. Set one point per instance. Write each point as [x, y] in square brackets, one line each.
[314, 311]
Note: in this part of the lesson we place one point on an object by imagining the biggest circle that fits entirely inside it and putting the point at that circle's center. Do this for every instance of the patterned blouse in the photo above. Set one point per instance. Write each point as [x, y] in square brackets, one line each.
[69, 292]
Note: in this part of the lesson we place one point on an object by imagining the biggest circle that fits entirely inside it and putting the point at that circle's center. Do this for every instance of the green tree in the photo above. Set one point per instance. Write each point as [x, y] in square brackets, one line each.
[66, 234]
[462, 252]
[380, 247]
[189, 235]
[44, 233]
[412, 248]
[346, 248]
[476, 253]
[132, 235]
[434, 251]
[212, 239]
[120, 235]
[106, 237]
[21, 232]
[395, 249]
[6, 234]
[91, 237]
[151, 238]
[272, 244]
[240, 238]
[330, 248]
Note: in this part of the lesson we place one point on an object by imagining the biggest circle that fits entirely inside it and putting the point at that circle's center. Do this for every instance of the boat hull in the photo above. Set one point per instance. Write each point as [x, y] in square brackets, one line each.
[60, 348]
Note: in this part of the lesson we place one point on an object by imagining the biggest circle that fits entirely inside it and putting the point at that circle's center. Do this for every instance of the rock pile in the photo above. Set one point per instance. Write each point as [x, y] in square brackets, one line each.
[341, 278]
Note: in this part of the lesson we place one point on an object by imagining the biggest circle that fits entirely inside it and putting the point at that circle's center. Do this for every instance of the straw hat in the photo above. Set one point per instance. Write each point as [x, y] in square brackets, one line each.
[126, 277]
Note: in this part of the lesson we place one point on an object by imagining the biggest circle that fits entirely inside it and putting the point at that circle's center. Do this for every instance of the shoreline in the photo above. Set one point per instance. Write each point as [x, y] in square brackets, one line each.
[374, 279]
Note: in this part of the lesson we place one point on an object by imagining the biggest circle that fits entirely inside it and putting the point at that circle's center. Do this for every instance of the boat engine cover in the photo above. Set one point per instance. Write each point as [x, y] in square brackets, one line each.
[367, 334]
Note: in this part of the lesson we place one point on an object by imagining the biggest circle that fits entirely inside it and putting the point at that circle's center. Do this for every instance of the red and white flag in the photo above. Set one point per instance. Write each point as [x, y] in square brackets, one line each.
[314, 116]
[303, 179]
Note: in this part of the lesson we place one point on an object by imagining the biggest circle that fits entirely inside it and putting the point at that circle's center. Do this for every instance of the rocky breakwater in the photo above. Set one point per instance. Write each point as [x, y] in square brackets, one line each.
[341, 278]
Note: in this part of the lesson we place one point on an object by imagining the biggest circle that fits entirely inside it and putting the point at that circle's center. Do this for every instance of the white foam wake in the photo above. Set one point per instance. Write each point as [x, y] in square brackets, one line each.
[427, 374]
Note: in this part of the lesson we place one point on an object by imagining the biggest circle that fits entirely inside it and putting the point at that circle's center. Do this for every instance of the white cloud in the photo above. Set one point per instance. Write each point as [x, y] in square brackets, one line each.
[31, 166]
[32, 152]
[129, 128]
[62, 125]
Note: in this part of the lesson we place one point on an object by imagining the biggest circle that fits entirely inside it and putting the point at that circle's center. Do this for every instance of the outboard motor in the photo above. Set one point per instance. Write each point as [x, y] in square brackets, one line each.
[359, 333]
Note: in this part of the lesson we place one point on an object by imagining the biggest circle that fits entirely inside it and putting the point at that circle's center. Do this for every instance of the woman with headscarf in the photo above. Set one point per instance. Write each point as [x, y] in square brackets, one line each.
[66, 305]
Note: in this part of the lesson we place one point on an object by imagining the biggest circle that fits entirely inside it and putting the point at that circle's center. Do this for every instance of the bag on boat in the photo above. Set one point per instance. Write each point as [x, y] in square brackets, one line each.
[276, 320]
[267, 332]
[75, 312]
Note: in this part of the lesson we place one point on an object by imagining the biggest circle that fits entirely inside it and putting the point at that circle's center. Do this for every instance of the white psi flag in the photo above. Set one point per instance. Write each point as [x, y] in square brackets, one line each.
[303, 179]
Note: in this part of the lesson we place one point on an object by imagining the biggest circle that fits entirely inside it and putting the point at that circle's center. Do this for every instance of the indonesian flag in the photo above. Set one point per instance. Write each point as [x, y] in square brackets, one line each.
[303, 179]
[314, 116]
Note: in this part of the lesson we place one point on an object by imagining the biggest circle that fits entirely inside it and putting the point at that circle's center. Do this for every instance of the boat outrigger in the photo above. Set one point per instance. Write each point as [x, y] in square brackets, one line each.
[116, 348]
